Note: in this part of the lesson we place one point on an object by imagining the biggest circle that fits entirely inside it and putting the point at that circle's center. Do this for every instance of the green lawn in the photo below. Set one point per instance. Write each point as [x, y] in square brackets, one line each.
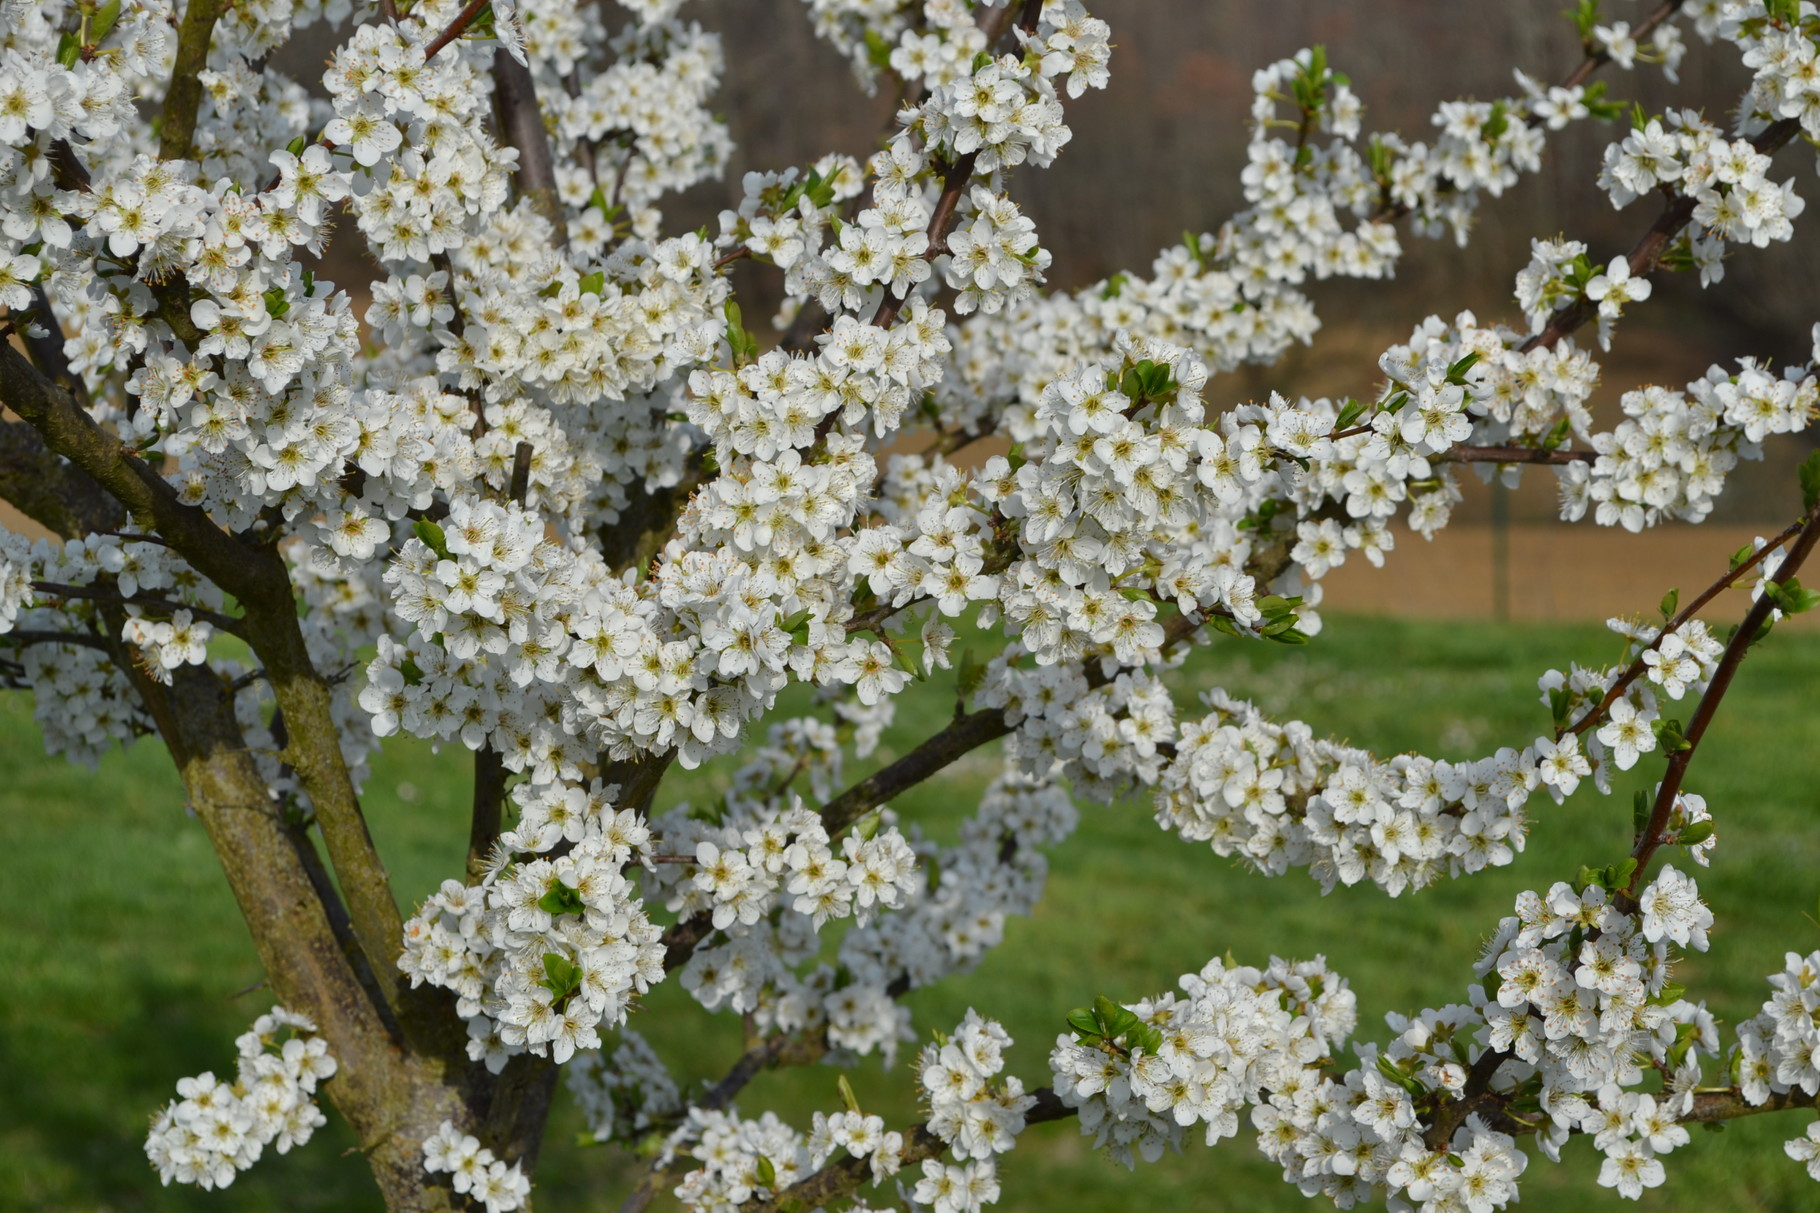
[129, 969]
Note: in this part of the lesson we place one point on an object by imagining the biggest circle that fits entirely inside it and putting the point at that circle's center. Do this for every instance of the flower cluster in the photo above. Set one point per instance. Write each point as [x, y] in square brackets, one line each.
[474, 1171]
[543, 951]
[936, 927]
[623, 1092]
[1140, 1080]
[977, 1118]
[181, 641]
[219, 1129]
[1577, 1008]
[740, 1158]
[788, 860]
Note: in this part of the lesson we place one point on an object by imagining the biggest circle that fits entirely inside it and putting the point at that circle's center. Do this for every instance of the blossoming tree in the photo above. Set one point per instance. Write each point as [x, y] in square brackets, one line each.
[549, 502]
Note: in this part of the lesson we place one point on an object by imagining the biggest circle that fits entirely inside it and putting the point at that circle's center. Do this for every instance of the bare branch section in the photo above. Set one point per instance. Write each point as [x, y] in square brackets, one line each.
[177, 130]
[964, 735]
[49, 491]
[521, 123]
[1638, 666]
[1647, 253]
[1513, 454]
[1748, 633]
[849, 1174]
[256, 576]
[954, 184]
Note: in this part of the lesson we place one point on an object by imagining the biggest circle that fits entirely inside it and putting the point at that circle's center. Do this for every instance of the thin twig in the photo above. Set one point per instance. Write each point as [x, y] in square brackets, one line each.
[1746, 635]
[456, 29]
[1637, 666]
[226, 623]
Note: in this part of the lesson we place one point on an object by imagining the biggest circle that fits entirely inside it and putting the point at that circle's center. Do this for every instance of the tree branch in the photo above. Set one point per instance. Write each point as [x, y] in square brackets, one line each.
[847, 1175]
[216, 620]
[1512, 454]
[1746, 635]
[1647, 253]
[954, 184]
[456, 29]
[1638, 665]
[521, 124]
[49, 491]
[257, 577]
[177, 129]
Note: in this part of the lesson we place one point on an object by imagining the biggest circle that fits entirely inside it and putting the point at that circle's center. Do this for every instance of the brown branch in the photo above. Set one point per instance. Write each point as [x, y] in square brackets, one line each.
[1638, 665]
[521, 125]
[1453, 1112]
[961, 736]
[49, 491]
[1590, 63]
[225, 623]
[177, 129]
[22, 637]
[520, 487]
[849, 1174]
[954, 184]
[456, 29]
[1512, 454]
[488, 809]
[1747, 634]
[257, 577]
[47, 351]
[779, 1049]
[1599, 58]
[1647, 253]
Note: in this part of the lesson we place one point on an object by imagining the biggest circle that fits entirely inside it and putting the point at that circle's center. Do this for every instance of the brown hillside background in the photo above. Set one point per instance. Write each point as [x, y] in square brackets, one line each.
[1159, 152]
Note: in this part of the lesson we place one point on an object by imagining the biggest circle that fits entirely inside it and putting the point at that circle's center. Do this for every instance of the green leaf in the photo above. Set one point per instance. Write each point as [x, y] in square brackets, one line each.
[1349, 415]
[846, 1094]
[878, 51]
[560, 977]
[1497, 123]
[1791, 597]
[1743, 554]
[1670, 601]
[1696, 833]
[900, 657]
[1669, 736]
[1085, 1026]
[103, 22]
[969, 674]
[275, 303]
[1456, 374]
[432, 537]
[69, 49]
[595, 283]
[743, 345]
[1810, 481]
[561, 899]
[767, 1173]
[413, 676]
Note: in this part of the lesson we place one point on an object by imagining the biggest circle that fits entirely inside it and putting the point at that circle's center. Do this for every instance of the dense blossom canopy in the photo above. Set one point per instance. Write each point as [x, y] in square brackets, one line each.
[540, 495]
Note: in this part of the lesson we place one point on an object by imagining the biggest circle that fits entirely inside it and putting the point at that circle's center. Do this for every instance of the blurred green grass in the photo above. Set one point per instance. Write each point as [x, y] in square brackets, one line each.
[128, 967]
